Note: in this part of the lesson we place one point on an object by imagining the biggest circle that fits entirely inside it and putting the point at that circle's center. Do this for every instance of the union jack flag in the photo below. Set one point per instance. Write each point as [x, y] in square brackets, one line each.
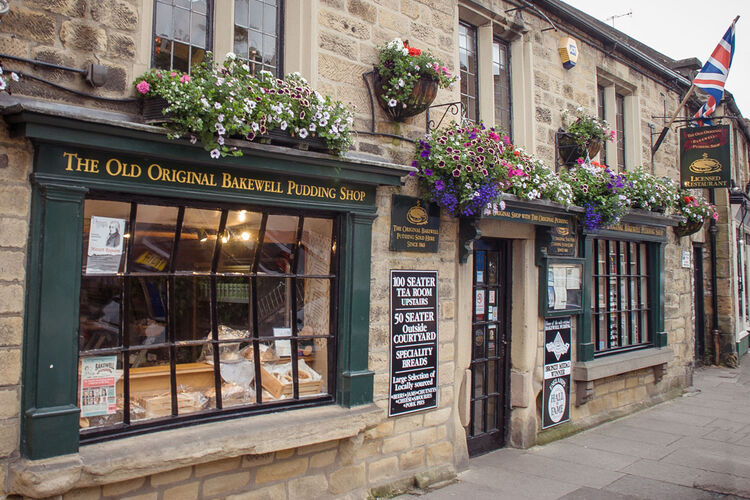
[713, 76]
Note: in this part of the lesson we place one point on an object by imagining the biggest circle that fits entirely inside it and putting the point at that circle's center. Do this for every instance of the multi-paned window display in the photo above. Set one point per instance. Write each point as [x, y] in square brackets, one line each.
[190, 311]
[257, 34]
[620, 301]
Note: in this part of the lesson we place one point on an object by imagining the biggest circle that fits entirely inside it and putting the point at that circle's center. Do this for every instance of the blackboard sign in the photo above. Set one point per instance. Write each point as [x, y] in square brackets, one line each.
[704, 157]
[556, 401]
[414, 341]
[415, 225]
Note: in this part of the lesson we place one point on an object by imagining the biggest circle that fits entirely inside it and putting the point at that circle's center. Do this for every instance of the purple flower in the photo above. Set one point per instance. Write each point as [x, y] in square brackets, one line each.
[456, 173]
[414, 164]
[439, 185]
[428, 172]
[425, 153]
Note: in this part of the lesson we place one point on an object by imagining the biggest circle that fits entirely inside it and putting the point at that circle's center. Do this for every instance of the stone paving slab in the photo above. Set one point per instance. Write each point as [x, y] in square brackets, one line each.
[695, 447]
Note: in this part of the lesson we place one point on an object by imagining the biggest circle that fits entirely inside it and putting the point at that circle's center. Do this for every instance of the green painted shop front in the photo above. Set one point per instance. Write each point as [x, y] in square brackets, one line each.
[75, 158]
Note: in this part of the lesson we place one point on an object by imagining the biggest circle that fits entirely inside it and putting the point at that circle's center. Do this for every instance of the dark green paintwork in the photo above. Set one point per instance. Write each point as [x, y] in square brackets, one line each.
[50, 414]
[585, 343]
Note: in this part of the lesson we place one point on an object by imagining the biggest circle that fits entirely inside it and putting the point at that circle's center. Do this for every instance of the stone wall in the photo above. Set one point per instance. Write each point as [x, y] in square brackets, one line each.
[15, 166]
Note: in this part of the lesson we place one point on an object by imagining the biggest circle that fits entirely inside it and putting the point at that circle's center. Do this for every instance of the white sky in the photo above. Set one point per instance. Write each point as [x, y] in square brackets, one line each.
[684, 28]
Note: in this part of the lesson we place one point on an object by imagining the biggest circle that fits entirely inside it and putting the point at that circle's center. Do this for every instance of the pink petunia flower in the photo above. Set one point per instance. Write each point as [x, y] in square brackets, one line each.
[143, 87]
[185, 78]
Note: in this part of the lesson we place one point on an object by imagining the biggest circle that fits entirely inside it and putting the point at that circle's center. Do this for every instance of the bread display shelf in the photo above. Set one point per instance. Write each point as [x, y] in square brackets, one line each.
[283, 387]
[155, 379]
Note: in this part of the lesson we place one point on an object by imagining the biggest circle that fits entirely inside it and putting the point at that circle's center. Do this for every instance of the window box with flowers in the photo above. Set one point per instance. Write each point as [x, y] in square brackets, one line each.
[214, 104]
[407, 79]
[468, 169]
[581, 136]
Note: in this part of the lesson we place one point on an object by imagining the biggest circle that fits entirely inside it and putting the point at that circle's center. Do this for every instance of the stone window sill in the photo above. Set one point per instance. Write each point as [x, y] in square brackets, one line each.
[586, 372]
[138, 456]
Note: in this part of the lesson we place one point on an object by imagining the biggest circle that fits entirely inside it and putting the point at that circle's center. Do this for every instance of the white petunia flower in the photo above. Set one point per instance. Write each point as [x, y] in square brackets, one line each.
[215, 153]
[302, 133]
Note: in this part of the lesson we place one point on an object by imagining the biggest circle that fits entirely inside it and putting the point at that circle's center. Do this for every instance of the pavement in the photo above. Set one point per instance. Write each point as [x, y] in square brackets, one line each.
[696, 446]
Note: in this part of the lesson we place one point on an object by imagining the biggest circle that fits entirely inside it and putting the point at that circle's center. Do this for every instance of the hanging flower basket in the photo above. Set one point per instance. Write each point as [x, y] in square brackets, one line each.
[424, 92]
[688, 228]
[153, 108]
[570, 150]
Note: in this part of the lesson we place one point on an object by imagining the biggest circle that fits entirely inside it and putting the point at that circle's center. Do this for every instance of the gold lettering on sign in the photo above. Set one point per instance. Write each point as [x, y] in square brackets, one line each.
[115, 167]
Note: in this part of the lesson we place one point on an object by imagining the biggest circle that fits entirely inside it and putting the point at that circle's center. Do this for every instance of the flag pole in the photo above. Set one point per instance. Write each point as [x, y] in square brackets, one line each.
[674, 117]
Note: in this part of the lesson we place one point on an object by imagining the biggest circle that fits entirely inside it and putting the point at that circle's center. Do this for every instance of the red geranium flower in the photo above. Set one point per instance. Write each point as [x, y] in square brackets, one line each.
[413, 51]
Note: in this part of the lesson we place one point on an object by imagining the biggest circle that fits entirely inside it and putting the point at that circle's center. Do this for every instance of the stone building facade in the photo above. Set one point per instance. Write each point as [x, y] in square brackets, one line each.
[349, 447]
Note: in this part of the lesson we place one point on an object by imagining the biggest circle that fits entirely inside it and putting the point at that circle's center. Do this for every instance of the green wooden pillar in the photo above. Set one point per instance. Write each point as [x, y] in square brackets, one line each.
[656, 287]
[355, 380]
[583, 337]
[50, 368]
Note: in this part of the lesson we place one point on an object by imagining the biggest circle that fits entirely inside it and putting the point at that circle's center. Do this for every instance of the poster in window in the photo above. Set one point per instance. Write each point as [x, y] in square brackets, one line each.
[106, 241]
[98, 379]
[479, 304]
[283, 347]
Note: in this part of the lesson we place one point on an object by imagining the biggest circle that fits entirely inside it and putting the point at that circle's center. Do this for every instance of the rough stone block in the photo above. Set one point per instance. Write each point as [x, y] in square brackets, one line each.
[382, 430]
[8, 437]
[275, 492]
[146, 496]
[116, 14]
[347, 479]
[72, 8]
[408, 423]
[412, 459]
[344, 24]
[281, 470]
[423, 437]
[182, 492]
[340, 70]
[14, 46]
[368, 449]
[10, 403]
[225, 483]
[12, 265]
[323, 459]
[395, 444]
[309, 487]
[436, 417]
[340, 45]
[381, 469]
[440, 453]
[172, 476]
[118, 489]
[10, 366]
[217, 467]
[363, 9]
[121, 46]
[11, 331]
[14, 200]
[83, 36]
[28, 24]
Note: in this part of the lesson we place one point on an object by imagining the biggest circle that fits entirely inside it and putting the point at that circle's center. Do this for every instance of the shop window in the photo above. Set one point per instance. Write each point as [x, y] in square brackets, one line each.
[467, 52]
[617, 103]
[182, 33]
[601, 113]
[621, 296]
[257, 34]
[191, 312]
[501, 80]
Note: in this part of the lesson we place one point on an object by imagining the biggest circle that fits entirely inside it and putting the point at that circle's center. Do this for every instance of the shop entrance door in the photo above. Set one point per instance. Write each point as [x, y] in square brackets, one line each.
[490, 356]
[699, 307]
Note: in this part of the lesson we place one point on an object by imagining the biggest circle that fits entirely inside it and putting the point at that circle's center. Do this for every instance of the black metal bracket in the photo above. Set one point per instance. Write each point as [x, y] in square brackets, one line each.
[456, 108]
[526, 5]
[367, 76]
[468, 232]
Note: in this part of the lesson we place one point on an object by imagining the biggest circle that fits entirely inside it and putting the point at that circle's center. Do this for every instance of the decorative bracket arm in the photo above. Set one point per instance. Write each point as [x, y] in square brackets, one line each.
[468, 232]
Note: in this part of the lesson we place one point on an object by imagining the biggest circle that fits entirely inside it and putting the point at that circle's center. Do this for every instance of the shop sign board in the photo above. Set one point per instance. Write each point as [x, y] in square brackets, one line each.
[559, 241]
[96, 167]
[704, 157]
[415, 225]
[557, 367]
[514, 214]
[414, 341]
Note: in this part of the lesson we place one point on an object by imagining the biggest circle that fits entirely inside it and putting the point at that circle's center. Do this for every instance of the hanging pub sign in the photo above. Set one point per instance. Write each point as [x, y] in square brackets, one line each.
[557, 346]
[414, 341]
[414, 225]
[704, 157]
